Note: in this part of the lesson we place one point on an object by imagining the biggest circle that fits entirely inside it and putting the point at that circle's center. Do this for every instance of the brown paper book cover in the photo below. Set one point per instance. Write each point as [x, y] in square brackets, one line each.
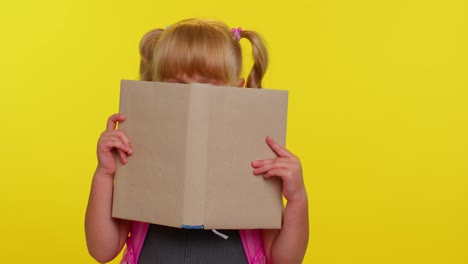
[193, 145]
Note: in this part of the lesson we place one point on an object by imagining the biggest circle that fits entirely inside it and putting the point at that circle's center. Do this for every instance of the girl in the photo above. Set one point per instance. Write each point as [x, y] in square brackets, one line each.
[202, 51]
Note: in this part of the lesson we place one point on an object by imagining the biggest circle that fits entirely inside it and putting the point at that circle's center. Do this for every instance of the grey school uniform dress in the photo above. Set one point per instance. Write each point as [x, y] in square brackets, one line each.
[168, 245]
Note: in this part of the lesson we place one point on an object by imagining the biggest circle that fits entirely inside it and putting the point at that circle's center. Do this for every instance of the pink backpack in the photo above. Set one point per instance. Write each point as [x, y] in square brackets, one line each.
[251, 241]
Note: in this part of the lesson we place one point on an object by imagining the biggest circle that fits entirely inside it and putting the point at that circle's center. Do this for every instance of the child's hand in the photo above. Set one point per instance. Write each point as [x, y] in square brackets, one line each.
[110, 141]
[287, 166]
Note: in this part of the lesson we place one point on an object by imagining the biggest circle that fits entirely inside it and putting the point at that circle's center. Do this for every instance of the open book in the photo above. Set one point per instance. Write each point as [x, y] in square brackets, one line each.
[193, 145]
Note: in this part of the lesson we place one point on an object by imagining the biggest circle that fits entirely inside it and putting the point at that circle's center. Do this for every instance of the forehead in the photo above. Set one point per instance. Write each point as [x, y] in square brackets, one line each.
[205, 53]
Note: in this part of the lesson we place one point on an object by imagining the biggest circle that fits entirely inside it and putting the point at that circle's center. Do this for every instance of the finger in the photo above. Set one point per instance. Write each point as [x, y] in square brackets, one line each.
[113, 119]
[279, 150]
[258, 163]
[278, 172]
[271, 166]
[120, 135]
[123, 156]
[114, 142]
[121, 146]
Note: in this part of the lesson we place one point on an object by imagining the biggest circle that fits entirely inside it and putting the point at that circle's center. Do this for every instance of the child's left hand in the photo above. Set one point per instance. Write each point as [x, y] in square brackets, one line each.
[287, 166]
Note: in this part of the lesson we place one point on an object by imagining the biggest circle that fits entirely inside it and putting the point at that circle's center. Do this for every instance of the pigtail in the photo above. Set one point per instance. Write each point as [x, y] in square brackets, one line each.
[260, 58]
[147, 45]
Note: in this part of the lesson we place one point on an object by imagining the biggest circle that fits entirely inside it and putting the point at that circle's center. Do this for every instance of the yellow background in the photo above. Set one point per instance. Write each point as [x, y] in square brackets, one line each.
[378, 116]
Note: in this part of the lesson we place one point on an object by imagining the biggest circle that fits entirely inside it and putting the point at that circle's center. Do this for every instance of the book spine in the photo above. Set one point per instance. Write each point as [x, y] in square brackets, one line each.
[196, 158]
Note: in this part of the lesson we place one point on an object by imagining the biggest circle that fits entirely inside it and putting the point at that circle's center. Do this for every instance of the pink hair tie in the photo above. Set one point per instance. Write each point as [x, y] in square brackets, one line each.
[236, 32]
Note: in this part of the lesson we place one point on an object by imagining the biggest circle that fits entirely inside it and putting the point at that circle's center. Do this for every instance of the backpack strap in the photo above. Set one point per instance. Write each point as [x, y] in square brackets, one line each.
[253, 246]
[135, 242]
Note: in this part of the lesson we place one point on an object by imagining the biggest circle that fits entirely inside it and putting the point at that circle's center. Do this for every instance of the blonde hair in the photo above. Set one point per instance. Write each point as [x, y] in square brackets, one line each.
[200, 47]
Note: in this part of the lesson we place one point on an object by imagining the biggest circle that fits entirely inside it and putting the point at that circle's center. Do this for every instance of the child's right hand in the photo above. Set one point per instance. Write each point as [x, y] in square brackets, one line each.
[110, 141]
